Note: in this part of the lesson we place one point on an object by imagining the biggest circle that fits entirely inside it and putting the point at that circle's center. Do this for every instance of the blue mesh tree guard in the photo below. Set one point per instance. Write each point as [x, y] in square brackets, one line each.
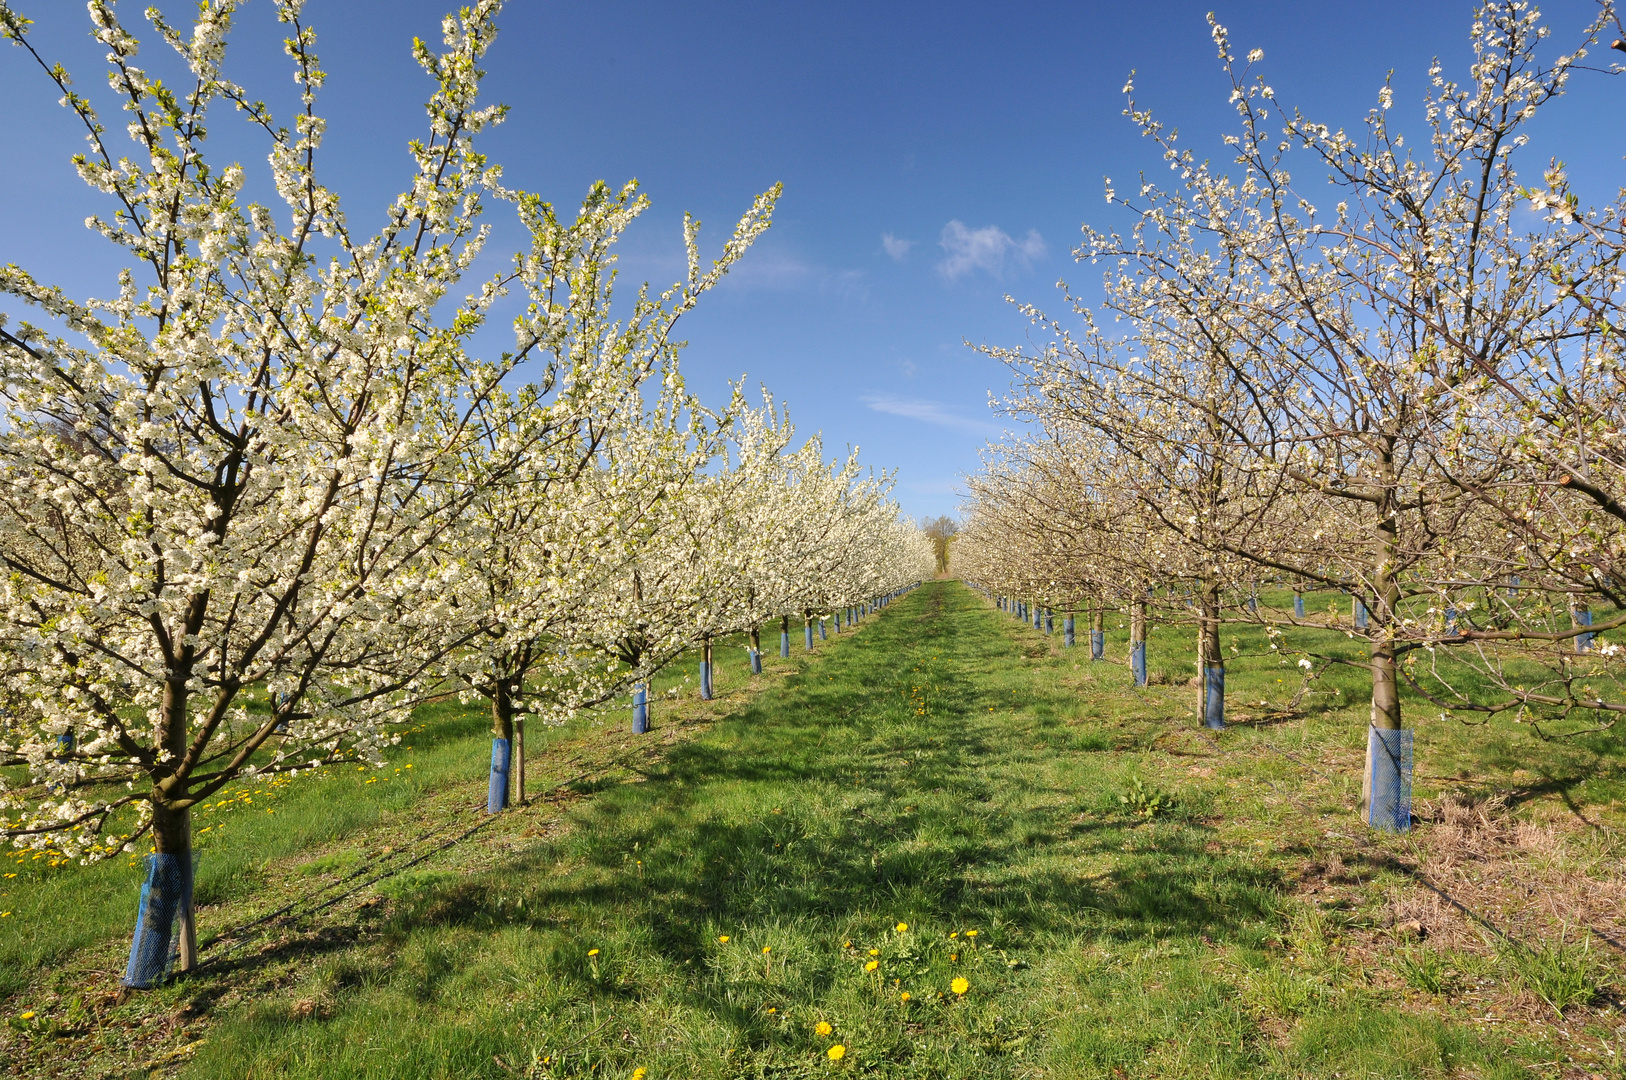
[1214, 698]
[501, 761]
[165, 894]
[1388, 780]
[1583, 617]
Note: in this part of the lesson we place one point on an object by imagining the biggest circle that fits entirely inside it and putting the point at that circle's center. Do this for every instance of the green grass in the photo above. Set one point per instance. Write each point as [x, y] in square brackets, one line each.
[1121, 896]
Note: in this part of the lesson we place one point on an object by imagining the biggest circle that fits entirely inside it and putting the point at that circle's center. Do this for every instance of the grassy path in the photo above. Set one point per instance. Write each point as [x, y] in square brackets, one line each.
[934, 800]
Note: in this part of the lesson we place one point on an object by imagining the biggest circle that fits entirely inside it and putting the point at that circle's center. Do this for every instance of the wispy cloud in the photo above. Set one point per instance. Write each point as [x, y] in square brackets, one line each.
[987, 249]
[895, 246]
[928, 412]
[761, 269]
[778, 272]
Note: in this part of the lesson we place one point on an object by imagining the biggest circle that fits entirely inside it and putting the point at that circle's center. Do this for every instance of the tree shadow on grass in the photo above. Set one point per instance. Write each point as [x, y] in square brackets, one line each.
[787, 815]
[822, 813]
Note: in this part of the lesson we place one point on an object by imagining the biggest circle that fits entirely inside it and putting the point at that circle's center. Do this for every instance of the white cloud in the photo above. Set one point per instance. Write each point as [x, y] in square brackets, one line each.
[927, 412]
[896, 247]
[985, 249]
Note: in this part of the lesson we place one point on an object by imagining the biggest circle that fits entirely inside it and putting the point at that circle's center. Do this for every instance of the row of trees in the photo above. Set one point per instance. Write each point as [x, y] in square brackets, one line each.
[270, 496]
[1405, 386]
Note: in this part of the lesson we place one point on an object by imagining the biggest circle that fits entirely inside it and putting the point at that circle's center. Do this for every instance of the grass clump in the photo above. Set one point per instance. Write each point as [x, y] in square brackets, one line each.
[1562, 973]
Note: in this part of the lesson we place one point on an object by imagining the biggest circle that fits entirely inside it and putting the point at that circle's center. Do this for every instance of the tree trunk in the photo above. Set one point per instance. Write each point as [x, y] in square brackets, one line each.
[172, 835]
[1380, 638]
[1137, 641]
[1211, 659]
[519, 760]
[502, 728]
[172, 823]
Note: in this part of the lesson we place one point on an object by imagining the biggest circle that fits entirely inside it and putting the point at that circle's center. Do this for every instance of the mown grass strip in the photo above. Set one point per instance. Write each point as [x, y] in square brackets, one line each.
[926, 804]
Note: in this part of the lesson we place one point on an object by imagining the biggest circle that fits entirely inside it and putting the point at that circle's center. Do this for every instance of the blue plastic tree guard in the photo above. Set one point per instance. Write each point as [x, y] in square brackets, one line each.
[1583, 617]
[166, 893]
[756, 661]
[1360, 613]
[1049, 621]
[501, 760]
[1388, 781]
[1137, 662]
[1067, 632]
[1098, 644]
[1298, 605]
[705, 681]
[807, 629]
[640, 709]
[784, 644]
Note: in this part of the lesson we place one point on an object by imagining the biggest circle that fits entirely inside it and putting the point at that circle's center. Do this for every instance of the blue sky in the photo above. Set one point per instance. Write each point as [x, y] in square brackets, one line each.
[935, 157]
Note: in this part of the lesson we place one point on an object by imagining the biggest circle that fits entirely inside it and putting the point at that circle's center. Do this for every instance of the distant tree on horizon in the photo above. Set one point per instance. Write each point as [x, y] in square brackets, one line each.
[941, 530]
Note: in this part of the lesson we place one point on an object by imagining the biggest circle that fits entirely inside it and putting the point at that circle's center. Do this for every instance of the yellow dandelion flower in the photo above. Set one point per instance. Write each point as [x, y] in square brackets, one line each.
[766, 949]
[960, 985]
[872, 965]
[904, 996]
[875, 952]
[773, 1009]
[639, 1073]
[723, 938]
[954, 935]
[822, 1028]
[902, 927]
[970, 933]
[592, 952]
[836, 1052]
[846, 944]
